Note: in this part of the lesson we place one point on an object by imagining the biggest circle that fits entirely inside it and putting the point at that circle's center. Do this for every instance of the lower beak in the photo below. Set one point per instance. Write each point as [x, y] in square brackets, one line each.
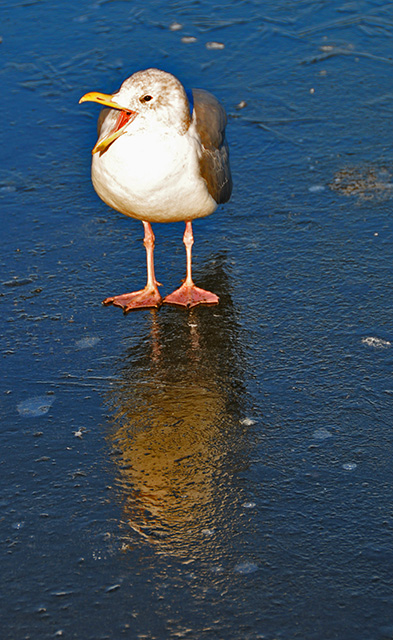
[125, 116]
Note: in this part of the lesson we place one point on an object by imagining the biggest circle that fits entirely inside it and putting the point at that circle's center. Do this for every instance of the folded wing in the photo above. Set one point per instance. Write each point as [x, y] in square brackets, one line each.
[214, 159]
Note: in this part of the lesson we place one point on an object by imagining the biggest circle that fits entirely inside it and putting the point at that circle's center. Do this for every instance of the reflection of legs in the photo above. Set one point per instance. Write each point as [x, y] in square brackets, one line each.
[149, 296]
[188, 295]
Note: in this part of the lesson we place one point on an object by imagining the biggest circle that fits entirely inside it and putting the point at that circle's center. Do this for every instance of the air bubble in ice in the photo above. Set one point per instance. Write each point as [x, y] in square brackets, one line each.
[316, 188]
[248, 422]
[349, 466]
[87, 342]
[322, 434]
[246, 567]
[35, 407]
[378, 343]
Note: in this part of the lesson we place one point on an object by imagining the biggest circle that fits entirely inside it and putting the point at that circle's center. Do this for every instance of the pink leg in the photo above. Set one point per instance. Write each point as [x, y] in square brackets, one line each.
[149, 296]
[188, 295]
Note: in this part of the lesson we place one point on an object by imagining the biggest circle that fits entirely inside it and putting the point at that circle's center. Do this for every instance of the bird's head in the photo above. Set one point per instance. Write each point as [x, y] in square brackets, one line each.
[150, 97]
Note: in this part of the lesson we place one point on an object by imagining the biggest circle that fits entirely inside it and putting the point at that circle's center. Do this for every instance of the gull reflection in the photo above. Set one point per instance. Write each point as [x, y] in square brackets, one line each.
[177, 430]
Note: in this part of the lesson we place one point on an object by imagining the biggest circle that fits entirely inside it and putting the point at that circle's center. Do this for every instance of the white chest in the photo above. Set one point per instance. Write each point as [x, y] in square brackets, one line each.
[153, 176]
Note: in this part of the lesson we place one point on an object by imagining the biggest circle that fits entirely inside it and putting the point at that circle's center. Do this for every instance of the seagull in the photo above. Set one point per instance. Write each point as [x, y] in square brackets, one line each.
[161, 156]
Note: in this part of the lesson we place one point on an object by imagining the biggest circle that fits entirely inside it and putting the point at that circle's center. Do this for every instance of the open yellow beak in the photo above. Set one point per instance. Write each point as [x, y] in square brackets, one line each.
[125, 116]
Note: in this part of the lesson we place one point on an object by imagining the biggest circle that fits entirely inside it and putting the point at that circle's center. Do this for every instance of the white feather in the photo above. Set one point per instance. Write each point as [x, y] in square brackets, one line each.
[152, 173]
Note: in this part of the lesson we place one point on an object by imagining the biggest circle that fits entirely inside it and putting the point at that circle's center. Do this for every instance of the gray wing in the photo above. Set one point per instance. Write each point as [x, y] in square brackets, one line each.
[211, 119]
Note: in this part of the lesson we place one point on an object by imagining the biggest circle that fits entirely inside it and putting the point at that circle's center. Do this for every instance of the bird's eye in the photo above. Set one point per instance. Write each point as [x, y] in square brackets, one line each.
[146, 98]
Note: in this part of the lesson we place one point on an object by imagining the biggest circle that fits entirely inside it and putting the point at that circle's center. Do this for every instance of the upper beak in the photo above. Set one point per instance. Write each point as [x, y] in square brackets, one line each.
[102, 98]
[125, 116]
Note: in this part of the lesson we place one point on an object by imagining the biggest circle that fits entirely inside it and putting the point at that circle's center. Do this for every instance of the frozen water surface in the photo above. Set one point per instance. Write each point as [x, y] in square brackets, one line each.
[220, 473]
